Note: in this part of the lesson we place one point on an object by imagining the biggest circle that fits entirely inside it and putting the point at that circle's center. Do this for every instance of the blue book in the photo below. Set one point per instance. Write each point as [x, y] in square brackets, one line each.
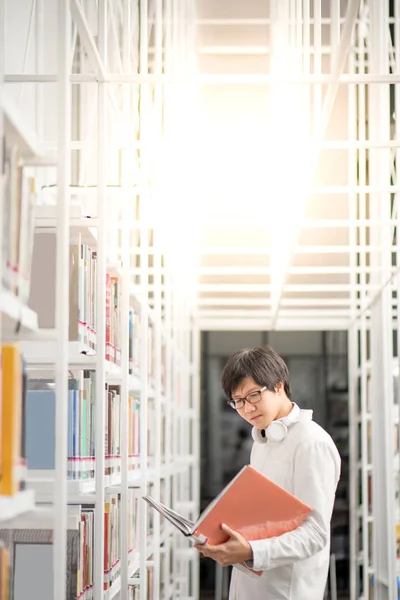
[40, 429]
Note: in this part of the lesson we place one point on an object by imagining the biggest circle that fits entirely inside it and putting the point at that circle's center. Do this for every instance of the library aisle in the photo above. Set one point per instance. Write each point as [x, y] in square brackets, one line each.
[175, 172]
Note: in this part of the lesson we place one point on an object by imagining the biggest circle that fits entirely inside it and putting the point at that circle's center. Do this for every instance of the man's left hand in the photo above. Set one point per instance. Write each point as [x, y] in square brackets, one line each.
[235, 550]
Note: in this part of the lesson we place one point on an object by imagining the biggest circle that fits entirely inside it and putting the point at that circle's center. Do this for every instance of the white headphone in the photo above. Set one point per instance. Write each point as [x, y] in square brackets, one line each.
[277, 430]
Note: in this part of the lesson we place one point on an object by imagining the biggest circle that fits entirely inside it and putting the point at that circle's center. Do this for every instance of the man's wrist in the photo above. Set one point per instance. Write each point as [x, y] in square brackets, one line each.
[249, 558]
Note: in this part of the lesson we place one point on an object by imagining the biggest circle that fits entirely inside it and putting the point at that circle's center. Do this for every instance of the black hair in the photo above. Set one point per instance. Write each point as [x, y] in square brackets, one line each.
[263, 364]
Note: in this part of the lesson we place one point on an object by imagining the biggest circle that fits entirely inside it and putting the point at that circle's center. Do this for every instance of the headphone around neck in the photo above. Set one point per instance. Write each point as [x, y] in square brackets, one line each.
[278, 430]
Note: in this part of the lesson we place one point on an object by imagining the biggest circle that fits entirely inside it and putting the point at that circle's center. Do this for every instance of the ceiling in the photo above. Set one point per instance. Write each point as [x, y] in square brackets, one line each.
[246, 226]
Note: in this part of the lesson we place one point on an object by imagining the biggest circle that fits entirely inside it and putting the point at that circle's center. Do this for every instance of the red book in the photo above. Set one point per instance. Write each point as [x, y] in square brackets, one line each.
[251, 504]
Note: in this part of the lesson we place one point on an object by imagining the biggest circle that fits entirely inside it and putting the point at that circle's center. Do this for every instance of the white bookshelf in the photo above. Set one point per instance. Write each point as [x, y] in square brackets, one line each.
[19, 132]
[80, 356]
[17, 318]
[103, 180]
[12, 507]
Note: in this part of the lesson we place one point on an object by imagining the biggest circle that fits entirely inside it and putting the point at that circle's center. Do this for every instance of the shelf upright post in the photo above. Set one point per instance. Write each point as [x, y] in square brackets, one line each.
[168, 302]
[144, 94]
[396, 158]
[384, 540]
[317, 70]
[157, 405]
[62, 302]
[126, 218]
[185, 412]
[196, 442]
[174, 416]
[353, 331]
[168, 407]
[157, 266]
[334, 32]
[101, 307]
[39, 37]
[362, 332]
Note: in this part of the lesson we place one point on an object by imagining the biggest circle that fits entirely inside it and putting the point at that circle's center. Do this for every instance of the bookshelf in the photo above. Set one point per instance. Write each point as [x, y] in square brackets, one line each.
[106, 332]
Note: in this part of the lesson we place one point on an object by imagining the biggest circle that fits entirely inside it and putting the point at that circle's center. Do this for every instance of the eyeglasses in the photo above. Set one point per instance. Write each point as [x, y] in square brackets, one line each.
[252, 398]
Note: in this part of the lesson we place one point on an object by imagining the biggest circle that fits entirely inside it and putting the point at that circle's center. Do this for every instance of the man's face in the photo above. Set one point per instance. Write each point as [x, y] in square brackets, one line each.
[266, 410]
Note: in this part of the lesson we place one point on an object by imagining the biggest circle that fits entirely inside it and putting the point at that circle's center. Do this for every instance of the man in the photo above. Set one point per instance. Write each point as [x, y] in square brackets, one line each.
[297, 454]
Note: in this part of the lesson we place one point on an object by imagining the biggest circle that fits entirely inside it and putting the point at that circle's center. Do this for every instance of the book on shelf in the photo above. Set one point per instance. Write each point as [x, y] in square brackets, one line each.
[18, 222]
[40, 428]
[113, 430]
[133, 592]
[134, 342]
[12, 420]
[28, 550]
[4, 573]
[133, 433]
[150, 583]
[151, 361]
[251, 504]
[112, 563]
[113, 352]
[83, 299]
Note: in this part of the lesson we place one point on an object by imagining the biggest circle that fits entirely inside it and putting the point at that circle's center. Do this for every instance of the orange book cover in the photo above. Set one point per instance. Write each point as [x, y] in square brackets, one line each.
[10, 438]
[251, 504]
[254, 506]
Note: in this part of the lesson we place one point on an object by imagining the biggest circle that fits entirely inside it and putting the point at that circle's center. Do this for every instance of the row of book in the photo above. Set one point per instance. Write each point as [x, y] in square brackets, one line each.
[27, 421]
[83, 304]
[18, 222]
[83, 275]
[40, 428]
[20, 548]
[134, 590]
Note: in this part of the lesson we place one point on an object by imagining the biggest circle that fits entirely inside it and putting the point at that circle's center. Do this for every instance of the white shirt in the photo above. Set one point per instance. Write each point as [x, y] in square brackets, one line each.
[307, 464]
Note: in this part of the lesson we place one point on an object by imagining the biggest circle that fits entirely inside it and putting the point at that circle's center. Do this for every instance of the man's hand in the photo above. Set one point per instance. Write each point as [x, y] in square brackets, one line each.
[235, 550]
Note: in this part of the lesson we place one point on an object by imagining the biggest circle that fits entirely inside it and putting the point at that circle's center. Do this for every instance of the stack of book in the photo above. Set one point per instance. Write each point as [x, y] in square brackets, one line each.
[32, 545]
[150, 583]
[112, 563]
[12, 420]
[113, 431]
[30, 554]
[40, 428]
[133, 433]
[113, 346]
[133, 592]
[133, 521]
[82, 293]
[83, 296]
[18, 223]
[81, 429]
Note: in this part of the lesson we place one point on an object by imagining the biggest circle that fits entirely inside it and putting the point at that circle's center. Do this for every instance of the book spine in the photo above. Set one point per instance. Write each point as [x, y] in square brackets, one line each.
[23, 468]
[108, 317]
[11, 419]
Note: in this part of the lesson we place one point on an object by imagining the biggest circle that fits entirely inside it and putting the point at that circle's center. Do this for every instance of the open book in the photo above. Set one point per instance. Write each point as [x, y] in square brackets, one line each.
[251, 504]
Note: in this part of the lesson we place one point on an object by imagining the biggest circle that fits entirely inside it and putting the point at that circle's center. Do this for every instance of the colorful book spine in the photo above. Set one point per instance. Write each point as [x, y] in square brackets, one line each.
[4, 573]
[108, 317]
[11, 421]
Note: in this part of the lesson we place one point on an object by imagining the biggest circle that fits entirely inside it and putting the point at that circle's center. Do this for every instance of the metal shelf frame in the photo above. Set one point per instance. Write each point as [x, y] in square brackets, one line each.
[116, 120]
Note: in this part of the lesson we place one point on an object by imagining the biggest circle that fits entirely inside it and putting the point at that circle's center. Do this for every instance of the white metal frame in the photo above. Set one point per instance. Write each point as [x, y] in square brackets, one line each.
[104, 55]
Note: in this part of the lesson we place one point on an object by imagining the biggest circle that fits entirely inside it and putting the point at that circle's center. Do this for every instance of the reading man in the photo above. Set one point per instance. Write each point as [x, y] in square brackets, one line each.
[297, 454]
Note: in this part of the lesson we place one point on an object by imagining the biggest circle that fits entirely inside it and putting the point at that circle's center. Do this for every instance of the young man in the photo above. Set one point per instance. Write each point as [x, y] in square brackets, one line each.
[292, 450]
